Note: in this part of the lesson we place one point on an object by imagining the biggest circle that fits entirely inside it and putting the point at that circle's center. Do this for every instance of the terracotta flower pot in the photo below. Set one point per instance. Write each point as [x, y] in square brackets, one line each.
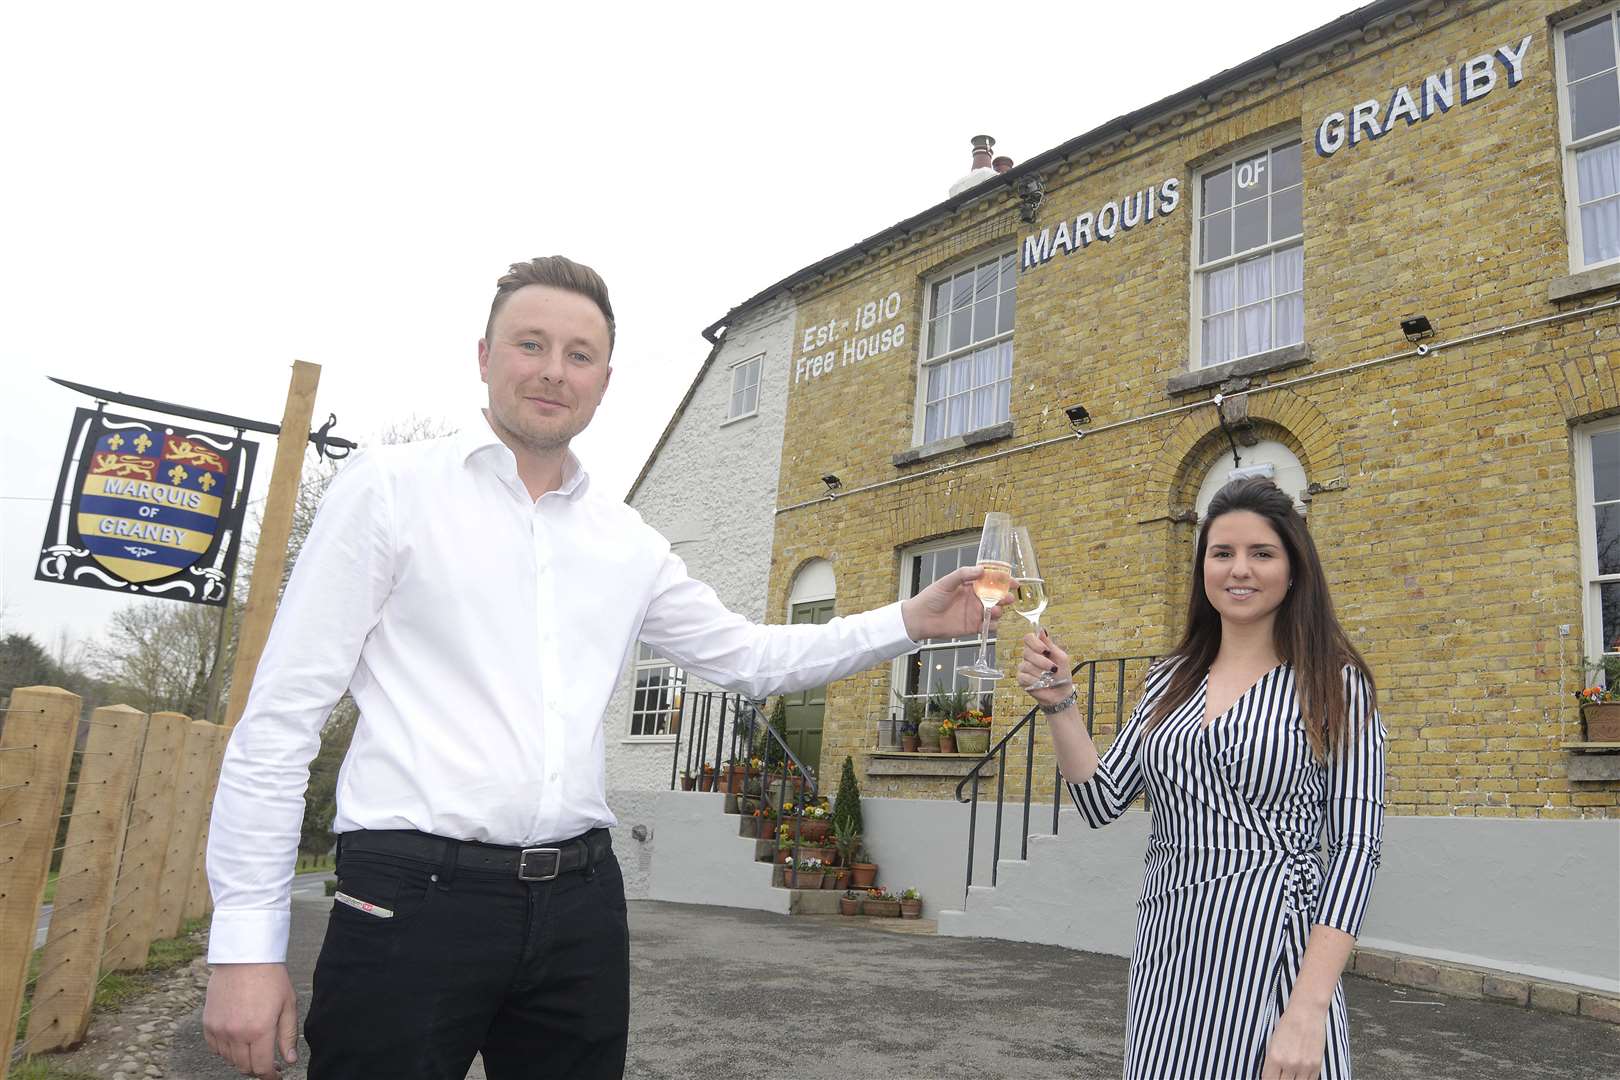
[908, 744]
[1602, 721]
[847, 906]
[841, 878]
[813, 831]
[947, 744]
[862, 875]
[911, 909]
[882, 908]
[688, 783]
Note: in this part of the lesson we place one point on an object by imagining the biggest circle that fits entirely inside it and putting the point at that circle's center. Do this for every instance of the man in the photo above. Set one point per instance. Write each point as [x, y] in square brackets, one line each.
[479, 602]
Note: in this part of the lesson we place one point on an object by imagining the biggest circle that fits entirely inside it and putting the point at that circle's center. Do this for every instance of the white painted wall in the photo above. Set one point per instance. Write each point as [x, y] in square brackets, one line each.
[712, 492]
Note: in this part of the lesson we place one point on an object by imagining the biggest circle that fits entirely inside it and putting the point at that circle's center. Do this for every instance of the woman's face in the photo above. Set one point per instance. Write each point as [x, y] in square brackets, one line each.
[1246, 571]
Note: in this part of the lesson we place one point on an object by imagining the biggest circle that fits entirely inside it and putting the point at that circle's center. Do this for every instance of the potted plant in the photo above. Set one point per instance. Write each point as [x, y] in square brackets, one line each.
[706, 781]
[815, 822]
[911, 715]
[973, 732]
[734, 776]
[846, 842]
[847, 804]
[947, 736]
[849, 903]
[880, 902]
[942, 705]
[911, 904]
[862, 873]
[1600, 705]
[688, 781]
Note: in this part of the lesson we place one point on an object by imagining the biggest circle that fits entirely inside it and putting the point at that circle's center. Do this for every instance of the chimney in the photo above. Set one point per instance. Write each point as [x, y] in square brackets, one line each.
[981, 151]
[1002, 163]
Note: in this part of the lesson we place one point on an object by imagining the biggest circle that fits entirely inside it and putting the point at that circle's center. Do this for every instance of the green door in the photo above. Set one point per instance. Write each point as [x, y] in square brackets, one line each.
[805, 709]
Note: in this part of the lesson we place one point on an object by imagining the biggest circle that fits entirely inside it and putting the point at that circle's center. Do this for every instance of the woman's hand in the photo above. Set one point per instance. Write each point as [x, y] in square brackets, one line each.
[1297, 1043]
[1043, 657]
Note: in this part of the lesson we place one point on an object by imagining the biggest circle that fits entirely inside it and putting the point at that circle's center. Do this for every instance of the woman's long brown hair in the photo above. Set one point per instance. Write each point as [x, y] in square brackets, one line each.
[1306, 634]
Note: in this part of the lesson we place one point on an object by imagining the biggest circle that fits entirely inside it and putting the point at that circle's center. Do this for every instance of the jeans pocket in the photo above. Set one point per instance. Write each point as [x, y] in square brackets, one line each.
[380, 893]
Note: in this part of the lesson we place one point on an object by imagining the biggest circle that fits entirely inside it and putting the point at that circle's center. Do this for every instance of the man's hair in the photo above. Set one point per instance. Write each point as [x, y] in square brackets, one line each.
[559, 272]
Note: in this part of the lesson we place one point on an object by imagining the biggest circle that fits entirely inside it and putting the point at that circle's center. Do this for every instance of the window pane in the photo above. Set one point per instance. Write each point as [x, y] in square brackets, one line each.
[937, 330]
[1253, 329]
[984, 319]
[1006, 359]
[1009, 273]
[1254, 280]
[1611, 617]
[961, 374]
[1217, 191]
[1606, 466]
[1589, 50]
[1284, 167]
[984, 367]
[1003, 400]
[1594, 105]
[1600, 231]
[933, 422]
[984, 406]
[737, 406]
[1290, 319]
[956, 418]
[1251, 179]
[987, 280]
[962, 290]
[936, 383]
[1250, 227]
[751, 399]
[643, 651]
[1220, 291]
[1004, 317]
[1608, 539]
[1217, 340]
[1288, 269]
[1287, 213]
[961, 328]
[1215, 237]
[1597, 171]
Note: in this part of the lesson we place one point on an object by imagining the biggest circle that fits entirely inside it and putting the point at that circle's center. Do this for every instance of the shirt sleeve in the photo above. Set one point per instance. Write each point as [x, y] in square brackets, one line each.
[686, 622]
[1118, 779]
[1355, 810]
[332, 601]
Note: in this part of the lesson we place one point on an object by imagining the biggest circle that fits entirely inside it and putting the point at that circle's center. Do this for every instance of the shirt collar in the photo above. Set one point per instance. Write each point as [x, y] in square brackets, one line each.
[478, 437]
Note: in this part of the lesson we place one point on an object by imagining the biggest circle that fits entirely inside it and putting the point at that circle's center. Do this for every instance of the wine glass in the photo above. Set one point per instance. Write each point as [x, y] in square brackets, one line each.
[992, 586]
[1029, 598]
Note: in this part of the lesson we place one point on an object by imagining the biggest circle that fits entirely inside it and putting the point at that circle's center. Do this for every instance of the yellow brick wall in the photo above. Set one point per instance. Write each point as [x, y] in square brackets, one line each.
[1448, 527]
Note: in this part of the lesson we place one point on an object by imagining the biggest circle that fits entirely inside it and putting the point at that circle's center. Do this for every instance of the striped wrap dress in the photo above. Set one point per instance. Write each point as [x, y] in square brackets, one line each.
[1234, 877]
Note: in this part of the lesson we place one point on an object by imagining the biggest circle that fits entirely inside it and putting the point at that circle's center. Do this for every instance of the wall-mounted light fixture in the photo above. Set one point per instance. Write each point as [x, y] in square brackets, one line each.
[1031, 193]
[1078, 417]
[1415, 329]
[833, 485]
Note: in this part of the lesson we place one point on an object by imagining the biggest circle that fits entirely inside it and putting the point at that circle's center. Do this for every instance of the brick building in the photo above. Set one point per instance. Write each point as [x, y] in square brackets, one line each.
[1380, 263]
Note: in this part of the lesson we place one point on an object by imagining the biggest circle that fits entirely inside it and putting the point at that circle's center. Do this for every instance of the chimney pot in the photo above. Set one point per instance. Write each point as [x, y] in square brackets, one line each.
[1002, 163]
[981, 151]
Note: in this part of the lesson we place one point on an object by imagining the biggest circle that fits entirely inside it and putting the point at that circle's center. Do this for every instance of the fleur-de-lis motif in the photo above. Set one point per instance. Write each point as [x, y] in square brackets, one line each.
[142, 442]
[206, 483]
[177, 474]
[115, 442]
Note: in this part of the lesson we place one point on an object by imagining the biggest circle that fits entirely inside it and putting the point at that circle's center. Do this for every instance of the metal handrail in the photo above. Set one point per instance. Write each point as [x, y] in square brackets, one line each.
[998, 753]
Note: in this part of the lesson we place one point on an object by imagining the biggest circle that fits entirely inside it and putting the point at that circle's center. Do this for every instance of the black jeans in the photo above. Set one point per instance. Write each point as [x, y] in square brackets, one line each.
[535, 975]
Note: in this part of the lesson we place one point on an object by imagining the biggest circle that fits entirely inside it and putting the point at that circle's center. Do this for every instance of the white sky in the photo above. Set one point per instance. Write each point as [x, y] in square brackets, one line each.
[196, 195]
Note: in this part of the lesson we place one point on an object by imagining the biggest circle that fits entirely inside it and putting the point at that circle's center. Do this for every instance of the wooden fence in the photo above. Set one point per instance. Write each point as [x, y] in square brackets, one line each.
[134, 792]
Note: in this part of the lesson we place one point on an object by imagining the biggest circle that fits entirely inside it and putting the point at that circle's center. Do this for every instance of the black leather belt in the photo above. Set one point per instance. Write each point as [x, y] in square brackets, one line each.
[540, 863]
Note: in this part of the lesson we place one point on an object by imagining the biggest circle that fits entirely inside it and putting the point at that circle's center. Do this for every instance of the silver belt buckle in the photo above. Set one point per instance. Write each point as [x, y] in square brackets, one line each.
[526, 874]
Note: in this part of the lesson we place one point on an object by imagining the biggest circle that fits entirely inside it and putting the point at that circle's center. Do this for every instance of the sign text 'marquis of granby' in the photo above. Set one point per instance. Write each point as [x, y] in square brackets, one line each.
[151, 508]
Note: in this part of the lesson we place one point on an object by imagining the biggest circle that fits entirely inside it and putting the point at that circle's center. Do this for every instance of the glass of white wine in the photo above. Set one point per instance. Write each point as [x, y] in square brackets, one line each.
[1029, 598]
[992, 586]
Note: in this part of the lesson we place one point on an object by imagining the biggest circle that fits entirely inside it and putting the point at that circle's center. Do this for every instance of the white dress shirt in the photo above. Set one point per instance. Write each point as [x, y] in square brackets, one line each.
[481, 632]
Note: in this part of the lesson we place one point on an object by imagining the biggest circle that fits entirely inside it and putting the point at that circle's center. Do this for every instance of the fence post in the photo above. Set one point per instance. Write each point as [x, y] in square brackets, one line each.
[198, 900]
[151, 816]
[191, 788]
[71, 962]
[36, 751]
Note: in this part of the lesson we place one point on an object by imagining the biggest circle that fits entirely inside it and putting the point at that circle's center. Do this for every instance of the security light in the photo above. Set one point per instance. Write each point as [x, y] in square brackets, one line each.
[1078, 417]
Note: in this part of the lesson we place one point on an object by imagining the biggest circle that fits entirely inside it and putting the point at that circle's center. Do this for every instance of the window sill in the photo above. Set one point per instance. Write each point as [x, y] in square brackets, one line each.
[1589, 761]
[648, 740]
[1585, 283]
[728, 421]
[1258, 364]
[993, 433]
[900, 763]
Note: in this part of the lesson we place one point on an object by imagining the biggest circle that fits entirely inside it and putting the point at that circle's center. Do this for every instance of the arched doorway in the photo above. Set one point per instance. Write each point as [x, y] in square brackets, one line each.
[1268, 458]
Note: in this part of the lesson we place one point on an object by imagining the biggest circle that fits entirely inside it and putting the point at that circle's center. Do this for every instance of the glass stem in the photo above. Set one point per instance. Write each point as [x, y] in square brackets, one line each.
[984, 639]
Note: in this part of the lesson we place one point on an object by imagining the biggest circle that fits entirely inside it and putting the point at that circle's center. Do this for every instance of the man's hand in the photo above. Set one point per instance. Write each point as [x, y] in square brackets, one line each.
[251, 1012]
[949, 607]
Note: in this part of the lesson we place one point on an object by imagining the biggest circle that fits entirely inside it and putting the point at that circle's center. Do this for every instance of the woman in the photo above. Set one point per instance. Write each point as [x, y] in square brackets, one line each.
[1259, 728]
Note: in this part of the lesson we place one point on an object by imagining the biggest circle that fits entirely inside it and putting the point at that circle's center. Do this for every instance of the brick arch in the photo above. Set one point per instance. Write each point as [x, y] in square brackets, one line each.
[1582, 385]
[1196, 441]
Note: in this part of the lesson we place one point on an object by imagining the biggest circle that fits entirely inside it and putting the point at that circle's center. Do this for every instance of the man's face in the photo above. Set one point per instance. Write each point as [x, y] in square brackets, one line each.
[546, 364]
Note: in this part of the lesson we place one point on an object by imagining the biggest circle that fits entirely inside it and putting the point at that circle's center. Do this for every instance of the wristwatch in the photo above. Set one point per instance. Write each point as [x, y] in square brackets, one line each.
[1054, 709]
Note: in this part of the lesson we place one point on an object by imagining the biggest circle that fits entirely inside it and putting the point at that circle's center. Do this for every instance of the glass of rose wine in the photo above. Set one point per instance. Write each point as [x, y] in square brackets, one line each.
[992, 586]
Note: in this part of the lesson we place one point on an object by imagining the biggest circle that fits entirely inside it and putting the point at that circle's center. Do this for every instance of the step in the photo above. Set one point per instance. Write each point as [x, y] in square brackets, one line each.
[813, 901]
